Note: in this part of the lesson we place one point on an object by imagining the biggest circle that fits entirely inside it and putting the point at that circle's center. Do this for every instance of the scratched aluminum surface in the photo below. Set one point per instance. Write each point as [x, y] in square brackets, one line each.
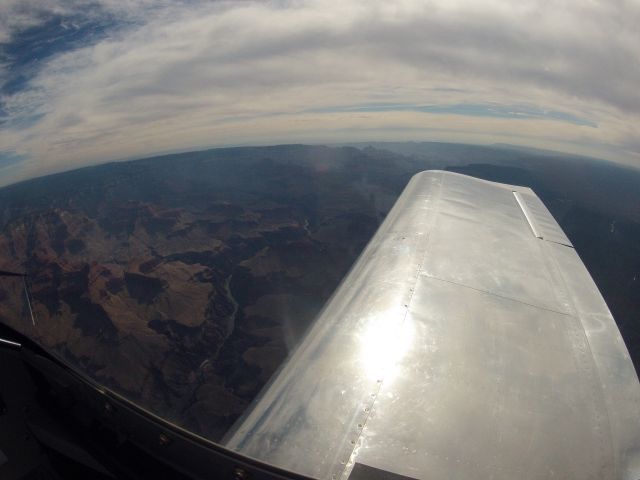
[468, 341]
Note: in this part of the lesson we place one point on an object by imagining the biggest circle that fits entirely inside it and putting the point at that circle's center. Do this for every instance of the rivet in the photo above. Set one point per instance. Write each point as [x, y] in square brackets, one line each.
[240, 474]
[163, 440]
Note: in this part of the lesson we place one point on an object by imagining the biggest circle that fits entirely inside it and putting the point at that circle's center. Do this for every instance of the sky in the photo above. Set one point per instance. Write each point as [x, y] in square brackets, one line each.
[84, 82]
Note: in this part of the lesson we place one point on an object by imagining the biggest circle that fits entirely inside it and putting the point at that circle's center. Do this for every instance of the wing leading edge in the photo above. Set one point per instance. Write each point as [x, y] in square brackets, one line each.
[468, 341]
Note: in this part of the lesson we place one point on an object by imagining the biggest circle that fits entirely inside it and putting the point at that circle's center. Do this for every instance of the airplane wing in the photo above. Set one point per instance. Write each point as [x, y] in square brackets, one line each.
[468, 341]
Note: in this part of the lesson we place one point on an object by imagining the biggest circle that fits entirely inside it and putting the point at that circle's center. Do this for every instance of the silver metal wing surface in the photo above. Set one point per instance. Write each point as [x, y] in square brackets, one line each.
[468, 341]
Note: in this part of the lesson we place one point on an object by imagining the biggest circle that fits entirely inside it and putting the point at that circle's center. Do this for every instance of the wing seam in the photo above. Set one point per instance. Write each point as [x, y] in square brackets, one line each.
[596, 386]
[346, 470]
[498, 296]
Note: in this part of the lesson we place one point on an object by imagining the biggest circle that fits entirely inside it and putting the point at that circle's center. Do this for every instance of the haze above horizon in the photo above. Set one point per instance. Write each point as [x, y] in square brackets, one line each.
[85, 82]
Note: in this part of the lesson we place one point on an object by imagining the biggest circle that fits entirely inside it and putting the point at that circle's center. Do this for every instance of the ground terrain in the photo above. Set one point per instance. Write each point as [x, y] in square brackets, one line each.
[183, 281]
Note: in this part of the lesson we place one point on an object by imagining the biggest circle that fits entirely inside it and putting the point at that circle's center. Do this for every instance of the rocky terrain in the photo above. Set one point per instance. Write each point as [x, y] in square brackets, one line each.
[183, 281]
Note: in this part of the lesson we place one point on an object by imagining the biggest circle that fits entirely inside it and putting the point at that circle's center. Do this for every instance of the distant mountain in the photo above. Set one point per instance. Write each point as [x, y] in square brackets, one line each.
[183, 281]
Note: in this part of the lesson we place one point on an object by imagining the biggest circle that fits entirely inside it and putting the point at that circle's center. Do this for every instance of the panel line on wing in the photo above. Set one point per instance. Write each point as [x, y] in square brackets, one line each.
[345, 472]
[428, 275]
[559, 243]
[587, 363]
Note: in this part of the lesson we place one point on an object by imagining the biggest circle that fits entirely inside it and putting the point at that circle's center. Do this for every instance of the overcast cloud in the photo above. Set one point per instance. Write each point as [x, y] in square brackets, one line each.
[129, 79]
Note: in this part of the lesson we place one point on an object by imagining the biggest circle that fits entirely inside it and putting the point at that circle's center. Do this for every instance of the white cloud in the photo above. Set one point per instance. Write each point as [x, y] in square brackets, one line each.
[184, 76]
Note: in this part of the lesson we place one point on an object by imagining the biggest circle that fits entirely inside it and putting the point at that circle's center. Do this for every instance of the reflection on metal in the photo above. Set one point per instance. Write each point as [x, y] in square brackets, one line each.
[459, 346]
[28, 298]
[527, 215]
[25, 287]
[380, 346]
[240, 474]
[365, 472]
[9, 343]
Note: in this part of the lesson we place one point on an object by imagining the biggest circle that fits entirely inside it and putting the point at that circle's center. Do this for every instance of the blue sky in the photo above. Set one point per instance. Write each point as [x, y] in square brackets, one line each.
[84, 82]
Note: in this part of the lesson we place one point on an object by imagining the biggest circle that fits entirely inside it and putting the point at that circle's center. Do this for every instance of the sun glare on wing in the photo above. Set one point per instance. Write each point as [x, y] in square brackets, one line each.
[387, 338]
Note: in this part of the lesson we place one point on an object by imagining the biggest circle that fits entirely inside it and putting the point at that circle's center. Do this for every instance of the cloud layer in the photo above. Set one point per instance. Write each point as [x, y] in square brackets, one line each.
[129, 79]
